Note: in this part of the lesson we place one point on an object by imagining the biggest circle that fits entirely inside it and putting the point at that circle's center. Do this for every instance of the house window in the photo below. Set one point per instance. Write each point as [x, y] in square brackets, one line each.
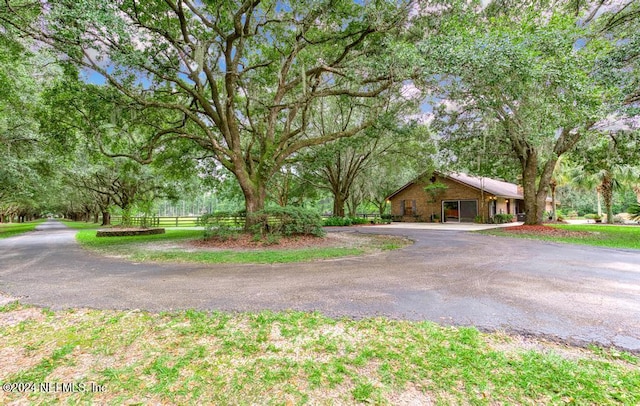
[408, 208]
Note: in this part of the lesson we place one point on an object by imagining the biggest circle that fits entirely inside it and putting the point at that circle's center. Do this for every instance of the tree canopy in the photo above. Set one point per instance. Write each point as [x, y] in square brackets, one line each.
[240, 79]
[523, 78]
[257, 94]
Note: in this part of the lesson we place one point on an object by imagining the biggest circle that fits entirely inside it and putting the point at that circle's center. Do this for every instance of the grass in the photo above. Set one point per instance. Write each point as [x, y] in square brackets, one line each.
[80, 225]
[145, 248]
[247, 257]
[13, 229]
[193, 357]
[88, 239]
[602, 235]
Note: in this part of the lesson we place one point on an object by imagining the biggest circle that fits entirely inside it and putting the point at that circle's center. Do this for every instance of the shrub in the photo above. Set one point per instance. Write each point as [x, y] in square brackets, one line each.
[634, 211]
[344, 221]
[337, 221]
[286, 221]
[502, 218]
[222, 225]
[359, 220]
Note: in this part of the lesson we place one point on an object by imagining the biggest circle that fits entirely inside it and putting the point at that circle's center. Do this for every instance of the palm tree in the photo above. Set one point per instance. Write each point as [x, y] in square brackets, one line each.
[634, 211]
[561, 177]
[605, 164]
[605, 181]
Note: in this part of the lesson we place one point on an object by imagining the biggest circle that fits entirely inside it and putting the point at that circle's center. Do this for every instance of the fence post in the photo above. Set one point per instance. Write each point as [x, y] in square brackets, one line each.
[177, 221]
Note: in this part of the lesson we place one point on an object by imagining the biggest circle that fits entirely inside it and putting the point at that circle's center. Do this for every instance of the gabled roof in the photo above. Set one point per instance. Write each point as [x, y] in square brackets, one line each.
[492, 186]
[495, 187]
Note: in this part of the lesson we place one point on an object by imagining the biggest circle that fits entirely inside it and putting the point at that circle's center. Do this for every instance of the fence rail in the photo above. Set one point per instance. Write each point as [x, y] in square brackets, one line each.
[156, 221]
[187, 221]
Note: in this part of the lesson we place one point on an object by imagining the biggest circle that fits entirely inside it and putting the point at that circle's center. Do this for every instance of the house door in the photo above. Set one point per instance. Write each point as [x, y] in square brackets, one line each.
[468, 210]
[459, 210]
[450, 211]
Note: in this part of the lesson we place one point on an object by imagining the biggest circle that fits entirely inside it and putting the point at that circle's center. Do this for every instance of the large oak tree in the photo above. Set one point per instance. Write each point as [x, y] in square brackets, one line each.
[240, 79]
[522, 78]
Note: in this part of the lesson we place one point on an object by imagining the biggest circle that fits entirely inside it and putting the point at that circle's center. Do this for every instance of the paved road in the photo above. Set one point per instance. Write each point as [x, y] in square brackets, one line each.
[578, 294]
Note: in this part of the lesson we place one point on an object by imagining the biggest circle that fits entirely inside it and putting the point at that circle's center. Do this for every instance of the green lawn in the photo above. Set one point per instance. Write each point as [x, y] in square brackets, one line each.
[80, 225]
[87, 238]
[12, 229]
[601, 235]
[191, 357]
[145, 248]
[247, 257]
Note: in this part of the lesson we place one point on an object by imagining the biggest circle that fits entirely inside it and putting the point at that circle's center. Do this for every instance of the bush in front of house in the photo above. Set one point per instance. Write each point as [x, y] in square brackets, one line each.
[502, 218]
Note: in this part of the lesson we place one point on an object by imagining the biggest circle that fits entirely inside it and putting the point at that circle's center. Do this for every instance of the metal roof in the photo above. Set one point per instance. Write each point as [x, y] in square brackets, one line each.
[492, 186]
[495, 187]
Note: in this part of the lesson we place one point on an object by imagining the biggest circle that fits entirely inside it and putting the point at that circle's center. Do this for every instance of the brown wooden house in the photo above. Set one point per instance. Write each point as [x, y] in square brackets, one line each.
[456, 197]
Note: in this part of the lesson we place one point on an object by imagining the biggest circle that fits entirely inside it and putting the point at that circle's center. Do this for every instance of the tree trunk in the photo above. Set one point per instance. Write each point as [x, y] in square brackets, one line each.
[126, 216]
[606, 188]
[535, 193]
[353, 208]
[553, 184]
[338, 204]
[106, 218]
[254, 199]
[529, 174]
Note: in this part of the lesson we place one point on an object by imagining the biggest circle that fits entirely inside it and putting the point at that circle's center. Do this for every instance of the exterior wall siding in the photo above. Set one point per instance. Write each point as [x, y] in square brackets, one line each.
[425, 208]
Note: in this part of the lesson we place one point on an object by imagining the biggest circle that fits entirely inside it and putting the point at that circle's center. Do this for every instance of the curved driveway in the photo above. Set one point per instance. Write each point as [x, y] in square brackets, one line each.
[574, 293]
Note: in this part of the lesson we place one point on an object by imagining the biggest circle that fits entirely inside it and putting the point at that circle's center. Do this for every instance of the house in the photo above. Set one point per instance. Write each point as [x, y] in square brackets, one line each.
[456, 197]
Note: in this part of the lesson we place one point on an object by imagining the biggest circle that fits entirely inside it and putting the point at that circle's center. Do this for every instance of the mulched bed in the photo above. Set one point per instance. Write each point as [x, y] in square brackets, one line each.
[246, 241]
[545, 230]
[128, 232]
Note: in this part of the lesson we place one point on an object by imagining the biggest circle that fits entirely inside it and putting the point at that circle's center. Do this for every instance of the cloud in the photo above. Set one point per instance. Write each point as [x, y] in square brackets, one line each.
[616, 123]
[409, 91]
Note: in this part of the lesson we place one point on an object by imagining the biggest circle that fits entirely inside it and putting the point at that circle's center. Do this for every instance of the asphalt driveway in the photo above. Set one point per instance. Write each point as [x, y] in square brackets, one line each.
[573, 293]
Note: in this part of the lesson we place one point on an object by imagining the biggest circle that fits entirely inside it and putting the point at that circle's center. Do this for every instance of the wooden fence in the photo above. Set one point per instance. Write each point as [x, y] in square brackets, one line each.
[155, 221]
[189, 221]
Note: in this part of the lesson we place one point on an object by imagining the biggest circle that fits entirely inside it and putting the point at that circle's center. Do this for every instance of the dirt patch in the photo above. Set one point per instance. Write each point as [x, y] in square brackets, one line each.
[545, 231]
[515, 344]
[10, 319]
